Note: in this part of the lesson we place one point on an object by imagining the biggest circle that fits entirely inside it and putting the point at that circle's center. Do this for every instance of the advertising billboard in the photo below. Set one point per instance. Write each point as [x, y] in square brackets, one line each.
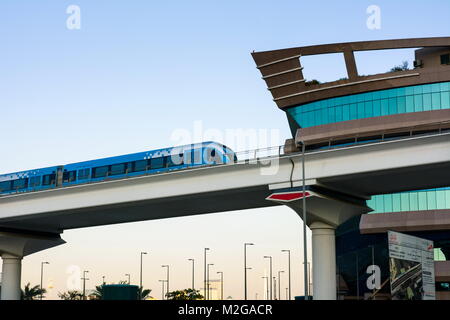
[411, 264]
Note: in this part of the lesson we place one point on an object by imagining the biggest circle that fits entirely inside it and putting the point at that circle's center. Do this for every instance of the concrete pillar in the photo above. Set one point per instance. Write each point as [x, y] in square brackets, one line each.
[11, 273]
[323, 261]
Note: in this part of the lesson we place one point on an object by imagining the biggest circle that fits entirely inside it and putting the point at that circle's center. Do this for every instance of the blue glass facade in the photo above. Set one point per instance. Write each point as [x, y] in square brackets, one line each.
[431, 199]
[381, 103]
[373, 104]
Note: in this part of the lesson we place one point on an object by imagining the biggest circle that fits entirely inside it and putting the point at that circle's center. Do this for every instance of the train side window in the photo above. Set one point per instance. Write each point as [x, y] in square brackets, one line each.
[197, 157]
[118, 169]
[210, 155]
[169, 161]
[83, 174]
[140, 165]
[100, 172]
[35, 181]
[175, 160]
[5, 186]
[20, 183]
[69, 176]
[158, 163]
[48, 179]
[187, 157]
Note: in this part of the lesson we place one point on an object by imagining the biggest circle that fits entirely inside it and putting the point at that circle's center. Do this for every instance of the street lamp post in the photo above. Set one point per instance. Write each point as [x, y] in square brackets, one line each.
[221, 284]
[193, 273]
[289, 271]
[271, 291]
[204, 276]
[129, 277]
[275, 287]
[305, 247]
[42, 275]
[279, 284]
[207, 277]
[84, 284]
[267, 287]
[103, 278]
[162, 292]
[245, 268]
[309, 282]
[310, 279]
[167, 266]
[140, 276]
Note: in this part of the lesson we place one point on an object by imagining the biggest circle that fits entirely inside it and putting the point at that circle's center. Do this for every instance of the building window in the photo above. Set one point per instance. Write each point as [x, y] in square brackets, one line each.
[445, 58]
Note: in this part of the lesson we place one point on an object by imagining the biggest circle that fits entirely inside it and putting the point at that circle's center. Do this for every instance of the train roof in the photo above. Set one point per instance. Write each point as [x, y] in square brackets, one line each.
[26, 173]
[122, 158]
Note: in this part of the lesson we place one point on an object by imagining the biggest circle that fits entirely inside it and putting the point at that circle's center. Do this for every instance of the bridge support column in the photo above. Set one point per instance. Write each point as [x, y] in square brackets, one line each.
[325, 210]
[11, 274]
[324, 261]
[14, 245]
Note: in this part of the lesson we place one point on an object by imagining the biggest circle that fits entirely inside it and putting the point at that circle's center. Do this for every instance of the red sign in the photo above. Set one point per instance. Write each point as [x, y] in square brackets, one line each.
[288, 196]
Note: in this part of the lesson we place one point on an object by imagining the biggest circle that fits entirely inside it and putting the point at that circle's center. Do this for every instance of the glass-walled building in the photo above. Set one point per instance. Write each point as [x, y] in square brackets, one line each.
[355, 252]
[419, 98]
[368, 109]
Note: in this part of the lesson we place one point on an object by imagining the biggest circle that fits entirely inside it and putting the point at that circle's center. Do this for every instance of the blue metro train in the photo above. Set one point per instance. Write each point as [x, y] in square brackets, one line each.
[155, 161]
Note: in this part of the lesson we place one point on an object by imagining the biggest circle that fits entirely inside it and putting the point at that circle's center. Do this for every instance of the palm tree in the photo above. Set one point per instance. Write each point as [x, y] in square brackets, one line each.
[144, 293]
[71, 295]
[186, 294]
[98, 292]
[32, 293]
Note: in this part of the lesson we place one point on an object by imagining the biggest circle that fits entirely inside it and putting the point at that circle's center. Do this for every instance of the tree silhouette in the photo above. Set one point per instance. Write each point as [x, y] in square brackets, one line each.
[98, 292]
[144, 293]
[71, 295]
[32, 293]
[186, 294]
[402, 67]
